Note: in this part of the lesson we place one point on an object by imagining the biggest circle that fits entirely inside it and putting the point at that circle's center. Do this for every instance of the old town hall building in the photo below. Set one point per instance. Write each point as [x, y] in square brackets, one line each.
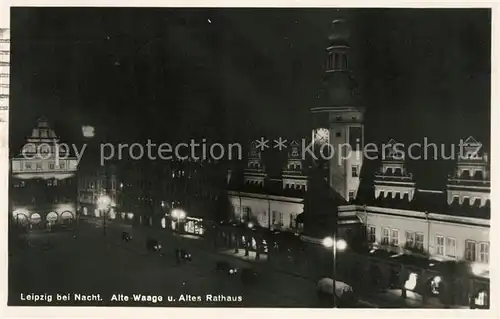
[396, 215]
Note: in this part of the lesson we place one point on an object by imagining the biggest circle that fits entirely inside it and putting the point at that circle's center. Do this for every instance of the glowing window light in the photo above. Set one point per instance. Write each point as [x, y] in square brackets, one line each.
[88, 131]
[480, 300]
[411, 283]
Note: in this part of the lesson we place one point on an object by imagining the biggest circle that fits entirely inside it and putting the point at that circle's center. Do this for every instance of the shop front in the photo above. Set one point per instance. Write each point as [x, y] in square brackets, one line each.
[194, 226]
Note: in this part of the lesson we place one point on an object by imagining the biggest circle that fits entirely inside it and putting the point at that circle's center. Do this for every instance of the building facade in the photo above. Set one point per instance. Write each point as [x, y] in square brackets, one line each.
[148, 192]
[94, 182]
[271, 203]
[43, 181]
[445, 225]
[395, 215]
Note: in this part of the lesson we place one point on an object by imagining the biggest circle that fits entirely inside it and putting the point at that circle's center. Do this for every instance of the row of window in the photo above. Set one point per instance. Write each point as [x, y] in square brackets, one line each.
[277, 218]
[43, 133]
[92, 185]
[38, 166]
[473, 254]
[50, 182]
[294, 166]
[445, 246]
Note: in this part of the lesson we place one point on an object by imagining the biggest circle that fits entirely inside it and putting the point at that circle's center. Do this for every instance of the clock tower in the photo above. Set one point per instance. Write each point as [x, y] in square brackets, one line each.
[338, 117]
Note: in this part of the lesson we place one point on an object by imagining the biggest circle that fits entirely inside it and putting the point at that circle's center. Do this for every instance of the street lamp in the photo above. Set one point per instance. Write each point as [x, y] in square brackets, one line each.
[104, 203]
[334, 244]
[178, 214]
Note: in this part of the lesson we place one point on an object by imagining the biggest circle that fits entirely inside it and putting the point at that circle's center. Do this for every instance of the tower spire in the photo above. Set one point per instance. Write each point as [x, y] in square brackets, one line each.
[338, 87]
[337, 116]
[338, 47]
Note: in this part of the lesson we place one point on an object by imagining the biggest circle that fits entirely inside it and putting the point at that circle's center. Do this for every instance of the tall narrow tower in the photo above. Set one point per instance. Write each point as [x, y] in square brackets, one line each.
[338, 116]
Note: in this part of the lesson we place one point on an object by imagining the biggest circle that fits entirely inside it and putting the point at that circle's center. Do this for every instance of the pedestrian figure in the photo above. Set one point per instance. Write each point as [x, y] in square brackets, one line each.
[177, 255]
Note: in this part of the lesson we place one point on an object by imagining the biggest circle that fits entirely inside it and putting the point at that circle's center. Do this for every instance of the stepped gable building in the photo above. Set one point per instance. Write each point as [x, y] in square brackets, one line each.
[444, 225]
[43, 188]
[272, 203]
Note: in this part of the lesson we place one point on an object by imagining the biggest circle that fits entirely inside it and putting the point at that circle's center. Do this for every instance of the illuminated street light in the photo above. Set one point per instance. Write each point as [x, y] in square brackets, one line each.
[104, 204]
[341, 244]
[334, 244]
[178, 214]
[250, 225]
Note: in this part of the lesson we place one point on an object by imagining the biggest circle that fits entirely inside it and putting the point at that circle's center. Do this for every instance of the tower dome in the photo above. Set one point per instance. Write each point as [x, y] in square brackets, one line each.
[339, 34]
[338, 88]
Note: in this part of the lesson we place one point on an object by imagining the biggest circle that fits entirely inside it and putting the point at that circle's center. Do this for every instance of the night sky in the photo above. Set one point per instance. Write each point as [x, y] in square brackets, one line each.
[167, 74]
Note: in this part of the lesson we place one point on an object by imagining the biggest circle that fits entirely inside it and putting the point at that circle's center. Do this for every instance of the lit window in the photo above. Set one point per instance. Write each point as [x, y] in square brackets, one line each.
[292, 220]
[351, 196]
[481, 299]
[394, 237]
[410, 239]
[484, 252]
[355, 172]
[419, 241]
[451, 247]
[440, 245]
[385, 236]
[470, 250]
[371, 233]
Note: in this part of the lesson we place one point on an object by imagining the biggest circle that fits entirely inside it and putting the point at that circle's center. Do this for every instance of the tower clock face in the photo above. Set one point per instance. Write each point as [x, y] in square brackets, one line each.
[321, 136]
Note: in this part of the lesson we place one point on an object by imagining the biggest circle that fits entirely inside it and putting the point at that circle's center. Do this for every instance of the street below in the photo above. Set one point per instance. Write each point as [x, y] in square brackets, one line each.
[106, 270]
